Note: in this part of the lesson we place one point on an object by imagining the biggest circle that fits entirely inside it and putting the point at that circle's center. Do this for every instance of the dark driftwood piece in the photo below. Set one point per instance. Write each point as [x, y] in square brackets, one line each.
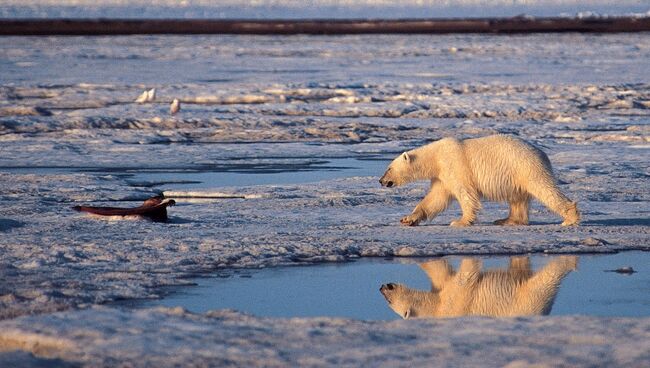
[320, 26]
[154, 208]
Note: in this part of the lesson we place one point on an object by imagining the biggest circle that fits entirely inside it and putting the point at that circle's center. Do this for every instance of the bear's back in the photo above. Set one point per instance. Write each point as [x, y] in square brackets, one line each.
[502, 165]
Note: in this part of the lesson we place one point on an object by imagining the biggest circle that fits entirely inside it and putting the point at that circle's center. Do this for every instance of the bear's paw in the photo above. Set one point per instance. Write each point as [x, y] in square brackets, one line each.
[410, 220]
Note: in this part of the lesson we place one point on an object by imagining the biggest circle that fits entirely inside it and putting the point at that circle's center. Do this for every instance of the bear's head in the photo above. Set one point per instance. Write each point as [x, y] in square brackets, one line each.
[409, 303]
[399, 171]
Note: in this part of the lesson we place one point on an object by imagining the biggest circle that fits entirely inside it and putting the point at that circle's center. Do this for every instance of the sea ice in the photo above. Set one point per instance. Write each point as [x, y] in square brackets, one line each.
[71, 134]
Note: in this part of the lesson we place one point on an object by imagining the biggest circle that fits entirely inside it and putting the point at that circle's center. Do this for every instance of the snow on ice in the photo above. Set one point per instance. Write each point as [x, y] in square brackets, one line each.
[71, 134]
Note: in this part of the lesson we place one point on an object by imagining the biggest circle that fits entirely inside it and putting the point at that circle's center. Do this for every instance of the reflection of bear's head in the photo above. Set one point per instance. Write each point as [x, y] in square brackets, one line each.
[399, 171]
[407, 302]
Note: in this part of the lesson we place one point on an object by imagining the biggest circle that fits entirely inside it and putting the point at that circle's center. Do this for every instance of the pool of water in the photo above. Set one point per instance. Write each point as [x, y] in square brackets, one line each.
[267, 173]
[352, 289]
[233, 173]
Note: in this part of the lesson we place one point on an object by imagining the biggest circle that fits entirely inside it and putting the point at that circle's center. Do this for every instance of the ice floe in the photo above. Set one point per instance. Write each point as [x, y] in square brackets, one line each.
[73, 136]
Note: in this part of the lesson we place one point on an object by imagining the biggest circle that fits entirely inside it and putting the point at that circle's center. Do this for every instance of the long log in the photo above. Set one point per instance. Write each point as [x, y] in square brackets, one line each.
[96, 27]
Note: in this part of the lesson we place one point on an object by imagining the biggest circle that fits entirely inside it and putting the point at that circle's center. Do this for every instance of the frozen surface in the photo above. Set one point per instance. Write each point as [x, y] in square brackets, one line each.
[226, 338]
[71, 134]
[173, 337]
[350, 290]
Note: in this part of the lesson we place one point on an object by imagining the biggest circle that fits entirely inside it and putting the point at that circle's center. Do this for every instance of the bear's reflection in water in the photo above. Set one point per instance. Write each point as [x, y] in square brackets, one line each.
[515, 291]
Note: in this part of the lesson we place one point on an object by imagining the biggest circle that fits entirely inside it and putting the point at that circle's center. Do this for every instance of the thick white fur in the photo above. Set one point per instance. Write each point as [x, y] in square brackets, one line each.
[496, 168]
[515, 291]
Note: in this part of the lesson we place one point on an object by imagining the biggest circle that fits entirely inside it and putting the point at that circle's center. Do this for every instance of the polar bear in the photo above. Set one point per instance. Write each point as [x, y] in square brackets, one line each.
[515, 291]
[497, 167]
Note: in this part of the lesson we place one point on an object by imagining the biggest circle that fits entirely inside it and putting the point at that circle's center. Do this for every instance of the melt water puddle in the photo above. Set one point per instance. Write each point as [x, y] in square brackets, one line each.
[233, 173]
[352, 290]
[246, 174]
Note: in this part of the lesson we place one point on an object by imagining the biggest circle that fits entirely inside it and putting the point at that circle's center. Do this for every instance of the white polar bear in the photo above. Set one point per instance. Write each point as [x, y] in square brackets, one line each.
[496, 167]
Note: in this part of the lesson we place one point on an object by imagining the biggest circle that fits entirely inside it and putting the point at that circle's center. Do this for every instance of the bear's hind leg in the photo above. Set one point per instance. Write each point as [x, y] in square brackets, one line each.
[470, 205]
[571, 216]
[557, 202]
[536, 296]
[518, 212]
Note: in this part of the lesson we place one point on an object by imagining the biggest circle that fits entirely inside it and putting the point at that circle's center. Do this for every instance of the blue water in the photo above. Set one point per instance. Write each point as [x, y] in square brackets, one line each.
[244, 172]
[352, 289]
[270, 174]
[316, 10]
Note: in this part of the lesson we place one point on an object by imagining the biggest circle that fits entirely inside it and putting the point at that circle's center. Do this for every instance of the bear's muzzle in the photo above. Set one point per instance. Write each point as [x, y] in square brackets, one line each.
[386, 288]
[385, 183]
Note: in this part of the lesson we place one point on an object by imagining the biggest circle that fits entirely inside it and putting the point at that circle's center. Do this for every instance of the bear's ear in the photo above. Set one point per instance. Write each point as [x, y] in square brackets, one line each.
[406, 157]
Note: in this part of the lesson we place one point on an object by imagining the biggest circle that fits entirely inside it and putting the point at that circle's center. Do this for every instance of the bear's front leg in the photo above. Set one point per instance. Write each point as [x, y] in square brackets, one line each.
[413, 219]
[433, 203]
